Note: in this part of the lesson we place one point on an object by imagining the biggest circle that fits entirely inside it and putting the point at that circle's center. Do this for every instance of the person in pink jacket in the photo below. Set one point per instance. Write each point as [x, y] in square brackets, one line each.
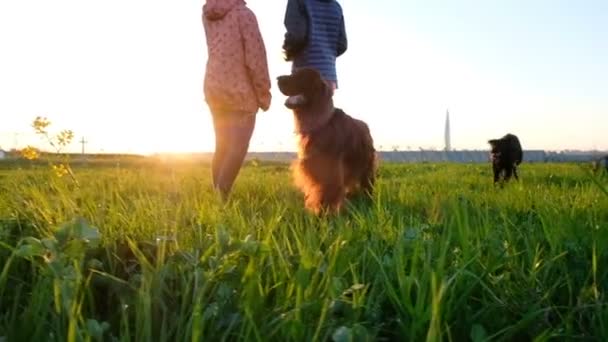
[237, 84]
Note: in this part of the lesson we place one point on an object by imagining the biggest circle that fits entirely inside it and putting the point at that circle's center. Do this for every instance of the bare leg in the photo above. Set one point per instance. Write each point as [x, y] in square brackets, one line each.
[238, 135]
[221, 145]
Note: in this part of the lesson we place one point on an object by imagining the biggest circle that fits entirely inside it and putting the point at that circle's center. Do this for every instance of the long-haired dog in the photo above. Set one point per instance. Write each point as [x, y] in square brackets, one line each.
[506, 154]
[336, 155]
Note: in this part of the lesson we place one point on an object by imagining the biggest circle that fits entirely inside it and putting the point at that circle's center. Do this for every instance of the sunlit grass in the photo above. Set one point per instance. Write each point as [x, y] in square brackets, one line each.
[148, 253]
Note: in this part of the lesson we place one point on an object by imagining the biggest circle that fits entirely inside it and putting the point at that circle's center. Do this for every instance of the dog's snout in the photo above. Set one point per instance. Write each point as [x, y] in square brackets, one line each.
[283, 78]
[285, 85]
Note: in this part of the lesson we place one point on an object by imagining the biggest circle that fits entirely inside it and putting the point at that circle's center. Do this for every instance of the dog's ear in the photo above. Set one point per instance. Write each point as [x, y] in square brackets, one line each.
[309, 80]
[316, 87]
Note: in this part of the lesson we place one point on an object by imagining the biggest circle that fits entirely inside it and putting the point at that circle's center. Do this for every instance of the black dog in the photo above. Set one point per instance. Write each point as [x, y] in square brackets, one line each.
[599, 164]
[506, 154]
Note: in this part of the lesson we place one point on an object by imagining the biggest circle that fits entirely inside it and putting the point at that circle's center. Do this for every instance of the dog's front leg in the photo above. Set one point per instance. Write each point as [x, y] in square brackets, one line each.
[509, 173]
[515, 172]
[326, 191]
[497, 171]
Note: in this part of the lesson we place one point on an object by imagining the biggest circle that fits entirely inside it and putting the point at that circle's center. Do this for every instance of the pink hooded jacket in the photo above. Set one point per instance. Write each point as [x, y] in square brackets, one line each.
[236, 79]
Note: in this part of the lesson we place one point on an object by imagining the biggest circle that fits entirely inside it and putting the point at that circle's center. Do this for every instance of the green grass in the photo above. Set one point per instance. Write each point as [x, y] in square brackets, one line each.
[147, 252]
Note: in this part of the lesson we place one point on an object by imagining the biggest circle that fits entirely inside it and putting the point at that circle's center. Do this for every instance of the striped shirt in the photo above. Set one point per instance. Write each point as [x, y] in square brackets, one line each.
[326, 36]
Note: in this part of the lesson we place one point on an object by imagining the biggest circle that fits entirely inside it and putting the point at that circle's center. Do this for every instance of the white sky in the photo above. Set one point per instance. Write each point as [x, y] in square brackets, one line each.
[127, 74]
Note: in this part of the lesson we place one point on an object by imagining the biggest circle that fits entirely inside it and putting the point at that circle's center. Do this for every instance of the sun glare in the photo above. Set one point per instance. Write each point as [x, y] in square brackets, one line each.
[180, 139]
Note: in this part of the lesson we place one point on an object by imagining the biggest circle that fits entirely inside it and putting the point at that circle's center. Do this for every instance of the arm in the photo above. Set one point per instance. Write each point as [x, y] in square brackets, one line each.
[205, 30]
[255, 58]
[342, 40]
[296, 24]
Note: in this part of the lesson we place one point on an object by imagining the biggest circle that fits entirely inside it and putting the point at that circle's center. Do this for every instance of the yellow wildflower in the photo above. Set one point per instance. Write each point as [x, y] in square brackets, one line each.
[30, 153]
[40, 124]
[60, 170]
[65, 137]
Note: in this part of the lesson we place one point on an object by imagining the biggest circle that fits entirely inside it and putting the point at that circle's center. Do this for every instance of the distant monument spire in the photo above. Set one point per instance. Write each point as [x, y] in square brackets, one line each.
[448, 143]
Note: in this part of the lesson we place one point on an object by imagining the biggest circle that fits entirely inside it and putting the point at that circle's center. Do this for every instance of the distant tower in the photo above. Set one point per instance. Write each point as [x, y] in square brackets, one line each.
[448, 143]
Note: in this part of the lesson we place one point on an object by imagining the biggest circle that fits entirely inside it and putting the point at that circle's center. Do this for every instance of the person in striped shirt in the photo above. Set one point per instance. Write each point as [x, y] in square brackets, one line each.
[315, 36]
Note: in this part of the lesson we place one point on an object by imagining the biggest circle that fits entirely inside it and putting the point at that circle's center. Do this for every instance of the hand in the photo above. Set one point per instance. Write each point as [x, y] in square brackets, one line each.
[265, 103]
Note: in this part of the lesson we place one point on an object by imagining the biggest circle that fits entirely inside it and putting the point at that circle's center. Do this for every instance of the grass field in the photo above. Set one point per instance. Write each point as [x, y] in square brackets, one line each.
[147, 253]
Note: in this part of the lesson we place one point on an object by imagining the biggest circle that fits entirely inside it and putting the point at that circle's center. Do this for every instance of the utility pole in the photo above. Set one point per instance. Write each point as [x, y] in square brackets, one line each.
[15, 141]
[83, 142]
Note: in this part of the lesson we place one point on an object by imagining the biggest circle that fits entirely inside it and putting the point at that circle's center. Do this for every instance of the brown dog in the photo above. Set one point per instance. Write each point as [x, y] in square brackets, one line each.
[336, 155]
